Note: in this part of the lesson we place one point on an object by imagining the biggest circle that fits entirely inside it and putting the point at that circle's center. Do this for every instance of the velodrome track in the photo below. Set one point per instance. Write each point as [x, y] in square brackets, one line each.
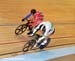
[61, 13]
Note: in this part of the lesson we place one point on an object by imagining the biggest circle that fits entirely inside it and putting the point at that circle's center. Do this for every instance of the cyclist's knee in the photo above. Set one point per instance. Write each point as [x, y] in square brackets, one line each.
[42, 45]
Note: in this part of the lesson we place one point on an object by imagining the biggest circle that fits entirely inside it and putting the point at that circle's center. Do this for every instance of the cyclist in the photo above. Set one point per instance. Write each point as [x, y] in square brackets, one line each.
[37, 17]
[47, 29]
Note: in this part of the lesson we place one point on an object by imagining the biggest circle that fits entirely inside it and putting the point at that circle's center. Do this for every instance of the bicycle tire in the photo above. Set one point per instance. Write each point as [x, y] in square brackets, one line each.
[26, 46]
[29, 45]
[20, 29]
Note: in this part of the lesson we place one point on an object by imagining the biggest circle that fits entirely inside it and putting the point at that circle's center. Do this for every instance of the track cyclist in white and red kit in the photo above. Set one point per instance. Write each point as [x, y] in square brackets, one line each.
[47, 29]
[37, 18]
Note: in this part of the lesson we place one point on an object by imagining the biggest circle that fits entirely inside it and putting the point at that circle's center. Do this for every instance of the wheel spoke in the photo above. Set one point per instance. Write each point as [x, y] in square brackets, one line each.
[26, 47]
[20, 29]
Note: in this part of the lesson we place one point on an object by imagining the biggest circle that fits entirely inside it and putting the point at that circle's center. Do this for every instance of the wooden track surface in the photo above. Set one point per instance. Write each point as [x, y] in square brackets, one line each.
[61, 13]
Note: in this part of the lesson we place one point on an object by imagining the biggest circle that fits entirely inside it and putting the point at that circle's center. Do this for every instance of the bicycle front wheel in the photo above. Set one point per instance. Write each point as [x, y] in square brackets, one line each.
[29, 45]
[20, 29]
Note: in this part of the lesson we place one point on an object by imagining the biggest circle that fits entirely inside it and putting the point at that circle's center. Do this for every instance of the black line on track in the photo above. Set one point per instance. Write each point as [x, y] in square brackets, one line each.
[36, 48]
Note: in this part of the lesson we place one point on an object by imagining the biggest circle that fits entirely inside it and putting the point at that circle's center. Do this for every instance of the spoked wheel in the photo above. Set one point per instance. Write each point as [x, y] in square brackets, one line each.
[26, 47]
[20, 29]
[29, 45]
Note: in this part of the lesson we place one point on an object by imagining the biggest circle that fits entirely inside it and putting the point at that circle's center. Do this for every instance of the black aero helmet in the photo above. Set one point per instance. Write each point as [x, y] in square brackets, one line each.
[33, 11]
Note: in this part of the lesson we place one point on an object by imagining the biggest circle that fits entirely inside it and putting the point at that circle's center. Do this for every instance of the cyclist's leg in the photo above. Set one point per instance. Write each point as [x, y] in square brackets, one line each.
[43, 44]
[30, 27]
[47, 40]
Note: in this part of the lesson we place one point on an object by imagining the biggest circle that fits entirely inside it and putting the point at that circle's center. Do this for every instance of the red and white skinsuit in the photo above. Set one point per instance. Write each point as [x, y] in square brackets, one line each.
[37, 19]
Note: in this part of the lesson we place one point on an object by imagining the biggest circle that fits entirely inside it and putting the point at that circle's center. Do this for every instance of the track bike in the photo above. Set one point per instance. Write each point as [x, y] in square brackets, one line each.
[29, 45]
[22, 28]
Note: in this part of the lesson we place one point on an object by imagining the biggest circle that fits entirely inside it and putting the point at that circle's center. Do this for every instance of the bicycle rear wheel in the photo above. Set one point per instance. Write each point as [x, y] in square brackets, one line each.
[20, 29]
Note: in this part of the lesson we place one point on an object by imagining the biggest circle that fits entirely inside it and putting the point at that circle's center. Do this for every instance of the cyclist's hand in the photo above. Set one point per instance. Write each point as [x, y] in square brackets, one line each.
[23, 20]
[41, 38]
[31, 35]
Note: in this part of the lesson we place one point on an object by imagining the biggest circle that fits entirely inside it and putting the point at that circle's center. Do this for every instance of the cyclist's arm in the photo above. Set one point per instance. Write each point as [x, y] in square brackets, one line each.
[26, 17]
[41, 38]
[36, 29]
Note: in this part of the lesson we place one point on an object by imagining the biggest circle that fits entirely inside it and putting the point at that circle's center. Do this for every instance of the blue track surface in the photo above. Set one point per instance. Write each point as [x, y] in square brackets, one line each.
[43, 55]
